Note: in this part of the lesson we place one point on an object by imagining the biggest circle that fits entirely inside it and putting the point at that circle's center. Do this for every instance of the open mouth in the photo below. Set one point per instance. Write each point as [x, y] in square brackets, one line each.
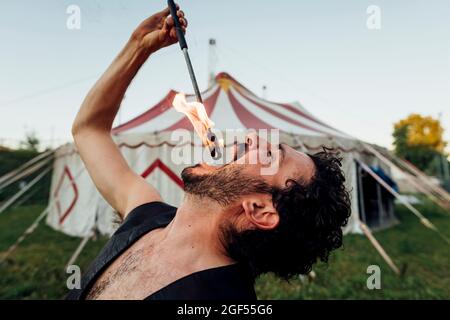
[238, 150]
[197, 115]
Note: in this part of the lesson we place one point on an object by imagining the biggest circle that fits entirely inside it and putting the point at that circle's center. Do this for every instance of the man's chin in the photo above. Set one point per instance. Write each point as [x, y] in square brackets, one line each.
[198, 170]
[202, 169]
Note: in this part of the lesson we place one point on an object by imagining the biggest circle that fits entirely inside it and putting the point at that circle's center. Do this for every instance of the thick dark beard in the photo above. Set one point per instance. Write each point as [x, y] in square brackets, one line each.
[252, 248]
[225, 185]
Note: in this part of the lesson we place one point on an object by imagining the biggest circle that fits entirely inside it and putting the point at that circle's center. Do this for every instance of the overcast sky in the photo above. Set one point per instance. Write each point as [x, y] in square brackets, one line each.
[320, 53]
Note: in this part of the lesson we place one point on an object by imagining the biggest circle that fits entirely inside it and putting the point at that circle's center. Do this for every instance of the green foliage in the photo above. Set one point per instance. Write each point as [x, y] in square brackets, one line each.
[31, 142]
[11, 159]
[423, 156]
[35, 270]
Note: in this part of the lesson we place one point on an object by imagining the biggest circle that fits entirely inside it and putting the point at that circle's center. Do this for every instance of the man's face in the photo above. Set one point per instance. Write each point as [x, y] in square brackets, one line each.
[244, 174]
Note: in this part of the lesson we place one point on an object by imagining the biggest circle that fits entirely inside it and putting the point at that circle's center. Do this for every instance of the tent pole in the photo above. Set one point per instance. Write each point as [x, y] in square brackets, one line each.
[424, 178]
[25, 173]
[420, 181]
[35, 224]
[78, 250]
[25, 198]
[362, 206]
[427, 223]
[27, 232]
[380, 205]
[25, 165]
[379, 248]
[11, 200]
[411, 178]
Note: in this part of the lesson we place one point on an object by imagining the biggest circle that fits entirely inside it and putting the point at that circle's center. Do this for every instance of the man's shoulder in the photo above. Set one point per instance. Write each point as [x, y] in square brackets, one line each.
[141, 220]
[153, 214]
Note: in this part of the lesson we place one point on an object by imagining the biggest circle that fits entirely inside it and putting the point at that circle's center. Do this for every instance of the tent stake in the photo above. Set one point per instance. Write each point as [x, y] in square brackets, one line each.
[78, 251]
[379, 248]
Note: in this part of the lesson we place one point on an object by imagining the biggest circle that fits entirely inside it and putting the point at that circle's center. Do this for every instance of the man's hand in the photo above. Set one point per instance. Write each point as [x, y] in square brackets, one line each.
[122, 188]
[158, 31]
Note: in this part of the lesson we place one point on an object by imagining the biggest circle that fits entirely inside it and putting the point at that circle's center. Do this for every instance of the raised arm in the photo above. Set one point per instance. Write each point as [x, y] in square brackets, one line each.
[122, 188]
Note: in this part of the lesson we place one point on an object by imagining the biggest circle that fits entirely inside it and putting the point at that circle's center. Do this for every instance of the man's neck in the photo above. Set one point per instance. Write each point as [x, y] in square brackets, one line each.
[194, 233]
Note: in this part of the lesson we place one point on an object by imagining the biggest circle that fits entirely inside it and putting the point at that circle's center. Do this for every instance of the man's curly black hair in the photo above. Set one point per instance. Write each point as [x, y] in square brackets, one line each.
[311, 219]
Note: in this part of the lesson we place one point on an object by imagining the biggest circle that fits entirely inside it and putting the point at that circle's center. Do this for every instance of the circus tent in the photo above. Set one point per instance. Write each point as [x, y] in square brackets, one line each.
[76, 208]
[230, 105]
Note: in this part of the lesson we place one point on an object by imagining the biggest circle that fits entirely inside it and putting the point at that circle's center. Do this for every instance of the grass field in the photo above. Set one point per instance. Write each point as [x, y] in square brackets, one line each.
[36, 269]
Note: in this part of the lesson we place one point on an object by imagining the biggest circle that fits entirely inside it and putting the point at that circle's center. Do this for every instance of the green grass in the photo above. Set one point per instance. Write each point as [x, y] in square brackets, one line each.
[36, 269]
[423, 254]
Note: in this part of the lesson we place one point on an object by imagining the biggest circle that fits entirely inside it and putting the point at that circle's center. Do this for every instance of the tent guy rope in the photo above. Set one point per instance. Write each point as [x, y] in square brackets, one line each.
[78, 250]
[35, 224]
[427, 223]
[15, 197]
[21, 168]
[26, 172]
[368, 233]
[412, 179]
[27, 232]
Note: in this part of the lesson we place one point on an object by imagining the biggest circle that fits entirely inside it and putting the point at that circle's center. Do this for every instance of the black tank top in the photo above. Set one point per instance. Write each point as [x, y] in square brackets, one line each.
[221, 283]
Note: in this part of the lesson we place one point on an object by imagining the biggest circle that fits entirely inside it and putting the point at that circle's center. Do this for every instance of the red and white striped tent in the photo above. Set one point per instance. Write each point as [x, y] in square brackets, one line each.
[147, 143]
[231, 106]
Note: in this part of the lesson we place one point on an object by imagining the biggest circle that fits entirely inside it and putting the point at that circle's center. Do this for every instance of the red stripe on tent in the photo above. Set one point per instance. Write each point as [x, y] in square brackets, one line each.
[66, 213]
[282, 116]
[159, 164]
[248, 119]
[164, 105]
[209, 103]
[240, 87]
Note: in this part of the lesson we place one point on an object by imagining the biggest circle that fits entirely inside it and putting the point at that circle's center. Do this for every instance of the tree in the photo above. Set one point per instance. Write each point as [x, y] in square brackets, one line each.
[419, 139]
[31, 142]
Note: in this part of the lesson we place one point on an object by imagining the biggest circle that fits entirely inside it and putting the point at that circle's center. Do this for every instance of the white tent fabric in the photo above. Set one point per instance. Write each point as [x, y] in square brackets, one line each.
[147, 144]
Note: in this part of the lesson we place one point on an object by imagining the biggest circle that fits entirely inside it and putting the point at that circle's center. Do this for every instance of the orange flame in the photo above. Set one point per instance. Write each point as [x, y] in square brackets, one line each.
[196, 113]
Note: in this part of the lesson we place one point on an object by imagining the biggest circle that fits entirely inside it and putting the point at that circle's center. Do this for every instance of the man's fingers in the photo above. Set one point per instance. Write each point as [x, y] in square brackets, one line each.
[169, 23]
[173, 33]
[183, 22]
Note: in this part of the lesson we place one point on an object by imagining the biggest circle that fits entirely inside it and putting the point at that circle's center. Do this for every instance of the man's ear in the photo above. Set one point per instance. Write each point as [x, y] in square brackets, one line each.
[260, 212]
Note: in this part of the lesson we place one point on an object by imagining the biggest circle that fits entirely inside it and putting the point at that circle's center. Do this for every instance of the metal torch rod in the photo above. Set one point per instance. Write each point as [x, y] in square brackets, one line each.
[184, 48]
[192, 75]
[215, 151]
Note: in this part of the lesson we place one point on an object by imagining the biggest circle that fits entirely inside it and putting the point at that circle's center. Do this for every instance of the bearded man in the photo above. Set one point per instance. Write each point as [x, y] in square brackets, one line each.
[233, 225]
